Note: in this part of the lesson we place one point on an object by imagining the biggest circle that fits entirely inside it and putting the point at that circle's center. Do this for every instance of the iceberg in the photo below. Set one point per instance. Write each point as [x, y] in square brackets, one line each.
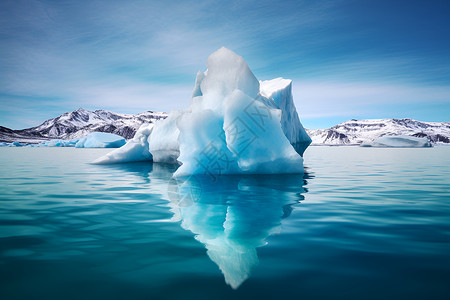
[280, 90]
[59, 143]
[235, 124]
[136, 149]
[163, 141]
[12, 144]
[398, 141]
[100, 140]
[92, 140]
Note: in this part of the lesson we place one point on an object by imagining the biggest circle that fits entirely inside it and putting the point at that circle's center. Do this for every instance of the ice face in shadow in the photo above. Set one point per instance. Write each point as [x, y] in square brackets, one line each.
[280, 91]
[234, 215]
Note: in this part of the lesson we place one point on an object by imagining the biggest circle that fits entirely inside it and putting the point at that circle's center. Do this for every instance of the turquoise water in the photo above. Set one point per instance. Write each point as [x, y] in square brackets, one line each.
[362, 223]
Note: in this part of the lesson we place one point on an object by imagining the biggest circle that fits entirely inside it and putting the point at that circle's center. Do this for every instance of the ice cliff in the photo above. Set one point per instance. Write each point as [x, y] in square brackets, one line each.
[234, 124]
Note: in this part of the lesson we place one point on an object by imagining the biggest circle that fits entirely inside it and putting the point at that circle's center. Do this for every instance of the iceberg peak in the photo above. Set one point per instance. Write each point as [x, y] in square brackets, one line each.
[227, 72]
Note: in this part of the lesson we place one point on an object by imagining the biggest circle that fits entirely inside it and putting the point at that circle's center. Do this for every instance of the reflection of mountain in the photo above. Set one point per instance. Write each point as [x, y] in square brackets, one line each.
[233, 215]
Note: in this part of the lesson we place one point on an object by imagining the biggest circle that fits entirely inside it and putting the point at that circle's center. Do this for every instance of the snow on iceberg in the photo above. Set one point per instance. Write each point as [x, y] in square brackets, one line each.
[100, 140]
[234, 124]
[399, 141]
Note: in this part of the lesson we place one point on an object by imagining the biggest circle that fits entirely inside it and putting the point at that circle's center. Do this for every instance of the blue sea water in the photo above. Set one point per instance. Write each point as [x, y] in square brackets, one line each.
[361, 223]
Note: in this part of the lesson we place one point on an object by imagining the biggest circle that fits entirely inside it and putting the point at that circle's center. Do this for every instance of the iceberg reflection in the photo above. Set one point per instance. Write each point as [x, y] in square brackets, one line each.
[233, 215]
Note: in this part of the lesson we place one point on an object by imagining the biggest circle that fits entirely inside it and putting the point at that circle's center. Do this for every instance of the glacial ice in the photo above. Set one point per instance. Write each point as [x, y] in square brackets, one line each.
[234, 124]
[92, 140]
[59, 143]
[398, 141]
[13, 144]
[280, 90]
[101, 140]
[136, 149]
[163, 141]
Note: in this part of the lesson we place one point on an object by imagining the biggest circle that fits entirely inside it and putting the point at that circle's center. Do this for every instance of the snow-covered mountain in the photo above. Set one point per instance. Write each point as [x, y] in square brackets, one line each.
[354, 132]
[79, 123]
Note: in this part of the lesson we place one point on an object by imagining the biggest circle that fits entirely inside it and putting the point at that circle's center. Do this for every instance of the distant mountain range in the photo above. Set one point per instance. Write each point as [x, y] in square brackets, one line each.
[81, 122]
[354, 132]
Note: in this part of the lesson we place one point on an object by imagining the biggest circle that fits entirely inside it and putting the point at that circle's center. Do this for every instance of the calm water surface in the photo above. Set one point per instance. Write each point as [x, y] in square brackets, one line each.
[362, 223]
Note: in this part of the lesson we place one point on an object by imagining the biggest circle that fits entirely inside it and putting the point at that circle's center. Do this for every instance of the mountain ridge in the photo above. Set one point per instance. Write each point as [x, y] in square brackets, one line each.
[79, 123]
[355, 132]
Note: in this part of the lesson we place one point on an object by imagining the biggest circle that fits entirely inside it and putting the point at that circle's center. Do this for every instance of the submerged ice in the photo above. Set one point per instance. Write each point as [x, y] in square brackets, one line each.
[232, 216]
[234, 124]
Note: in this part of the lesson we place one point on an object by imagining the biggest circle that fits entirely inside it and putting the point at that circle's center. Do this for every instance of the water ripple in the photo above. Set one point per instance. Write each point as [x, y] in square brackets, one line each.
[364, 223]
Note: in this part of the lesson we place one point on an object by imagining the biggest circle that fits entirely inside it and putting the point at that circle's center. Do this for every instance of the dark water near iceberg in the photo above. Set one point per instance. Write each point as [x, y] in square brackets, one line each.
[362, 223]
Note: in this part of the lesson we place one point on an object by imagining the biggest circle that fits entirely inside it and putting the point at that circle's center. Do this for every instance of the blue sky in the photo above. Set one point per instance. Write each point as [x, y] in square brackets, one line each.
[348, 59]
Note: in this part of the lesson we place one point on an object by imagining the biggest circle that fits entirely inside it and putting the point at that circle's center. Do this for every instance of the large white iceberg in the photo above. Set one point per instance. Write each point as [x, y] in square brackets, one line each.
[398, 141]
[234, 124]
